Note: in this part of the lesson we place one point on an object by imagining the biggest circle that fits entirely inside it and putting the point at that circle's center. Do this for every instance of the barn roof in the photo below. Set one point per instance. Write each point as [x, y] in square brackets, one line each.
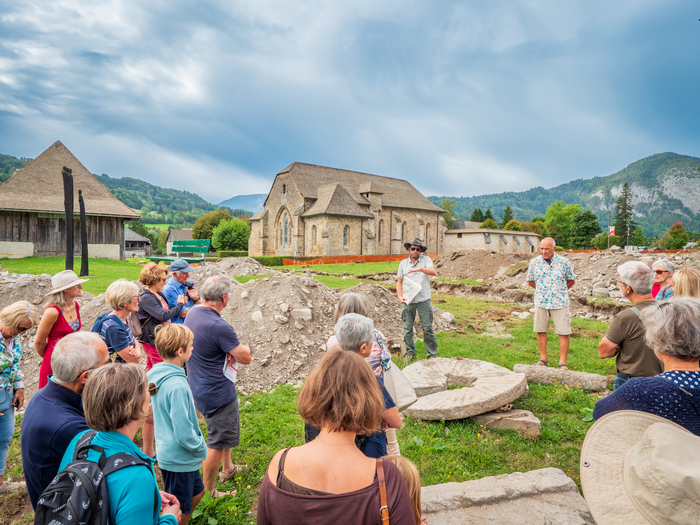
[180, 235]
[38, 187]
[398, 193]
[131, 236]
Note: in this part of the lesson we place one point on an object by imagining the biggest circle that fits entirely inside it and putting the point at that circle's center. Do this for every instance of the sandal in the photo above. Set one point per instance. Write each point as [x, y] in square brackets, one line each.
[542, 362]
[225, 476]
[563, 366]
[217, 494]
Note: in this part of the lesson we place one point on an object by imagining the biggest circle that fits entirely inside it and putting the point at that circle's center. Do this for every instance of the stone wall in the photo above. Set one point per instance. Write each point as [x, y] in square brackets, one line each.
[474, 240]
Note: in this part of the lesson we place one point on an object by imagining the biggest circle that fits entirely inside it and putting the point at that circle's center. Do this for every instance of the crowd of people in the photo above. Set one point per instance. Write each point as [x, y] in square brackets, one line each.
[94, 394]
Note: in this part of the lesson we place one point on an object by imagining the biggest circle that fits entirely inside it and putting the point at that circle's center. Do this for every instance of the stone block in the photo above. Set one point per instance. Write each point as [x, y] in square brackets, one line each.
[600, 292]
[396, 346]
[539, 497]
[523, 421]
[257, 316]
[302, 314]
[550, 376]
[484, 387]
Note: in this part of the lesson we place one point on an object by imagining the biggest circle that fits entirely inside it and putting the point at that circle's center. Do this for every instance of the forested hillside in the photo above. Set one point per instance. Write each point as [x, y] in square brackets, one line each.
[665, 188]
[8, 165]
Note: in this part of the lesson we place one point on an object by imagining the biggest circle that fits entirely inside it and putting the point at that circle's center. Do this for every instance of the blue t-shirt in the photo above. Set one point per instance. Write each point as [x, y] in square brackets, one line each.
[171, 290]
[375, 446]
[214, 338]
[116, 334]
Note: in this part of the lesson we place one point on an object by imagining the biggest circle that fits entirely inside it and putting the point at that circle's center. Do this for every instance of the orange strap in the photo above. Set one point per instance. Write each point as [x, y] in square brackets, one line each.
[384, 509]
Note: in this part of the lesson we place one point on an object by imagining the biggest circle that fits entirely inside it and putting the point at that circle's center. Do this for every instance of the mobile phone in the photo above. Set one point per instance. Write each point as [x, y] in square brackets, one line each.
[16, 404]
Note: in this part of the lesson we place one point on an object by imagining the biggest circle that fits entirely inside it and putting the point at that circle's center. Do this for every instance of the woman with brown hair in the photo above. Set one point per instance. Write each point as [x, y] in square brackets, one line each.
[116, 399]
[329, 480]
[61, 317]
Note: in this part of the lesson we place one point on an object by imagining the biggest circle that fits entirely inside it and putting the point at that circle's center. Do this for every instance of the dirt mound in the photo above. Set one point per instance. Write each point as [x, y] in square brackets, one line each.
[477, 264]
[232, 266]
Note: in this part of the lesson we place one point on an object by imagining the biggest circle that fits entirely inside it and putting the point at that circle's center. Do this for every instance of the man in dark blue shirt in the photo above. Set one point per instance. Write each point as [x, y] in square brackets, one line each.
[210, 372]
[55, 415]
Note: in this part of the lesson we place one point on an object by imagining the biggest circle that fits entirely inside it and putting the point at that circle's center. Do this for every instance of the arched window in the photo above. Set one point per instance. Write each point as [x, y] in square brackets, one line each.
[284, 189]
[313, 235]
[379, 233]
[403, 233]
[345, 235]
[286, 230]
[427, 235]
[281, 244]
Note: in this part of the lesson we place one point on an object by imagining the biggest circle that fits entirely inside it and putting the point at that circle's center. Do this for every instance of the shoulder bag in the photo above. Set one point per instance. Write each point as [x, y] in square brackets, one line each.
[399, 387]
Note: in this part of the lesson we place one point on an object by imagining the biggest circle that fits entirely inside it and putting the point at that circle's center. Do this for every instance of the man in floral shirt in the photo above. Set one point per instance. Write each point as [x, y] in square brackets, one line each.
[551, 276]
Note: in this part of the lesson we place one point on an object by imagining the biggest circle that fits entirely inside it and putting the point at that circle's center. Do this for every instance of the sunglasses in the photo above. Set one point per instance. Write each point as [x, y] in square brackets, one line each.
[660, 272]
[152, 389]
[415, 249]
[22, 329]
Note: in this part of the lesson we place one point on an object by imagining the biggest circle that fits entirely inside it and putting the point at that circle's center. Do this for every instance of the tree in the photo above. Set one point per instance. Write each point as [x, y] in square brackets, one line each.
[204, 226]
[638, 238]
[488, 214]
[601, 241]
[231, 235]
[584, 227]
[558, 219]
[675, 238]
[489, 223]
[161, 245]
[536, 227]
[513, 225]
[624, 215]
[477, 215]
[449, 214]
[507, 217]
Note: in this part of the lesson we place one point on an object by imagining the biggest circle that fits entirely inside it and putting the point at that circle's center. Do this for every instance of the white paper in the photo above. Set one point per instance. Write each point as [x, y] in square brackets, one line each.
[410, 289]
[230, 371]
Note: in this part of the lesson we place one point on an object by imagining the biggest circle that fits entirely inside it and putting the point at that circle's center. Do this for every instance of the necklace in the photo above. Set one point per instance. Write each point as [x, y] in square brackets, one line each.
[334, 444]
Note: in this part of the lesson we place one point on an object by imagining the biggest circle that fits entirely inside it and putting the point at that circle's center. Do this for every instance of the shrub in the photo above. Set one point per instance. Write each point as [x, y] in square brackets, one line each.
[270, 260]
[489, 223]
[601, 241]
[229, 253]
[231, 235]
[676, 237]
[513, 225]
[204, 226]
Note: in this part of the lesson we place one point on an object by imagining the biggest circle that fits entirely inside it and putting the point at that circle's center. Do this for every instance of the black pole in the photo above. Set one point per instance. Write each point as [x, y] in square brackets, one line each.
[84, 270]
[68, 204]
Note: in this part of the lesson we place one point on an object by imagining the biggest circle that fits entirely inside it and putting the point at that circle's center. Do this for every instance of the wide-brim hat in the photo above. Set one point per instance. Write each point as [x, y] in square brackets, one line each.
[416, 242]
[64, 280]
[638, 468]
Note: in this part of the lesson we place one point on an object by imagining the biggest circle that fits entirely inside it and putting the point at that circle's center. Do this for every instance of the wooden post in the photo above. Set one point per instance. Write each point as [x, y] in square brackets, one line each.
[68, 205]
[84, 270]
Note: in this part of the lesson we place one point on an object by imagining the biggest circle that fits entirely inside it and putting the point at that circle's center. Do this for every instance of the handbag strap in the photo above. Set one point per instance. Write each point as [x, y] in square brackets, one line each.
[384, 509]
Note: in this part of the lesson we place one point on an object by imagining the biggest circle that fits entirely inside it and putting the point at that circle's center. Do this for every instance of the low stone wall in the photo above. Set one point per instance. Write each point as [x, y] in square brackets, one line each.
[539, 497]
[16, 250]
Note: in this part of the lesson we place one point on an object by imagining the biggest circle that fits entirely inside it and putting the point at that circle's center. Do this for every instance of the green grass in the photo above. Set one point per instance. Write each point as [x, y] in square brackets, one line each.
[352, 268]
[103, 272]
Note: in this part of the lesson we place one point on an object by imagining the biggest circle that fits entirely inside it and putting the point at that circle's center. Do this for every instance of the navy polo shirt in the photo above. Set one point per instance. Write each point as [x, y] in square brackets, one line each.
[52, 419]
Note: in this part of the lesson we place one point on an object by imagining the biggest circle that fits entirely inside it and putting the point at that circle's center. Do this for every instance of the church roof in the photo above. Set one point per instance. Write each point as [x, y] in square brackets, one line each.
[333, 199]
[398, 193]
[38, 187]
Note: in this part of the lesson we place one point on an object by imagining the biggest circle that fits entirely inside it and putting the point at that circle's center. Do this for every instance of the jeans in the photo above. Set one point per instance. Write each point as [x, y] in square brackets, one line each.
[620, 379]
[7, 430]
[425, 313]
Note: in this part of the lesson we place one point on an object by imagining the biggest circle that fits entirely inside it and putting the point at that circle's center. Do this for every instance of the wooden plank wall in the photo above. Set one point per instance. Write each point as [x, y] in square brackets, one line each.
[47, 231]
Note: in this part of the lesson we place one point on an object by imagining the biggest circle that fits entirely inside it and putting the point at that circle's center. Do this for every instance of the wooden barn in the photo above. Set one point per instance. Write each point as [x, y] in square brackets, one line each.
[32, 217]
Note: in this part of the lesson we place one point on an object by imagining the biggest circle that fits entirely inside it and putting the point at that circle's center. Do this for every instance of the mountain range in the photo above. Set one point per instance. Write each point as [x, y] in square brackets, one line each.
[665, 189]
[253, 203]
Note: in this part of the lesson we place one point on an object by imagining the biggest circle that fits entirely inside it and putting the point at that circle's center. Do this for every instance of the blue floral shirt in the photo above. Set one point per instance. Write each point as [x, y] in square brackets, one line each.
[551, 291]
[10, 357]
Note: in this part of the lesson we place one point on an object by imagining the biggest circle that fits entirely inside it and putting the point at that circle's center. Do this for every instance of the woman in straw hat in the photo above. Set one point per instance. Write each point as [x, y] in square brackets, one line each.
[14, 320]
[61, 317]
[673, 333]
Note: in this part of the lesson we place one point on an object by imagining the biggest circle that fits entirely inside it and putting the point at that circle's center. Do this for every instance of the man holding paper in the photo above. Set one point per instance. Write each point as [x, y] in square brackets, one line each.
[211, 372]
[413, 290]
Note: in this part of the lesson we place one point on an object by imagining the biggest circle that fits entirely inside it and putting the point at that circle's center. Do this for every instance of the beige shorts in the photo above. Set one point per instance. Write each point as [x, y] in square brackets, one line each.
[560, 316]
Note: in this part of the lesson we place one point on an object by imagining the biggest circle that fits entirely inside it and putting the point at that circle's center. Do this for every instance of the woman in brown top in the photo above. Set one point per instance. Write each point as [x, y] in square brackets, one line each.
[329, 480]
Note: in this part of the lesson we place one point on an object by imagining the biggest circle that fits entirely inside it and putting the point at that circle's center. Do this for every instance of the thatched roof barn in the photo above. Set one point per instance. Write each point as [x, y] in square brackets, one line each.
[320, 211]
[32, 218]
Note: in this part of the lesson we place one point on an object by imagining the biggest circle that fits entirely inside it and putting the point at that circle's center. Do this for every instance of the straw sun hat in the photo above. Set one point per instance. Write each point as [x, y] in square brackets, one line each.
[64, 280]
[638, 468]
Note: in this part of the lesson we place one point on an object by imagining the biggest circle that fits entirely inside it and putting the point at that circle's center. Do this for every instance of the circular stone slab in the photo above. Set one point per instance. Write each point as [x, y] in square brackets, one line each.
[485, 387]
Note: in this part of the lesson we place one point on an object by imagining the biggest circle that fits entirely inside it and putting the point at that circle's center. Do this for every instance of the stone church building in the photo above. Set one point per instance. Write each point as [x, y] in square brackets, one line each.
[320, 211]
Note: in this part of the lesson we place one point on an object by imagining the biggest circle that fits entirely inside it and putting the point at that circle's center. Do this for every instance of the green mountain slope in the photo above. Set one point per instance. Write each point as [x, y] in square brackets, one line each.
[666, 188]
[8, 165]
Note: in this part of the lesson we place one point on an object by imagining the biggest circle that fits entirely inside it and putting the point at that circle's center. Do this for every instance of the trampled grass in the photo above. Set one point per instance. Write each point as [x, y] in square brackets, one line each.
[103, 272]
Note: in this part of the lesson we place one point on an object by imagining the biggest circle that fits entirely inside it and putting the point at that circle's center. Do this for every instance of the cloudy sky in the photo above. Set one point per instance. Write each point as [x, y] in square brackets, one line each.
[460, 98]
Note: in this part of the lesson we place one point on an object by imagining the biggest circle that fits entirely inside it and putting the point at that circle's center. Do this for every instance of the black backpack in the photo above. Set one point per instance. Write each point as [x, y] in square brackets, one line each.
[78, 494]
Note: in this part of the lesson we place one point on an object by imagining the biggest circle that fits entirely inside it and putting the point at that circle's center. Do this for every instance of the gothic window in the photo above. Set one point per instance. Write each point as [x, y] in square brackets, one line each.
[345, 236]
[379, 232]
[313, 230]
[284, 189]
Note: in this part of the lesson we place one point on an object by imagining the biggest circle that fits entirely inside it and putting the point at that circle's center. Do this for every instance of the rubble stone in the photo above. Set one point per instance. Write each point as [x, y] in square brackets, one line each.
[544, 496]
[549, 376]
[523, 421]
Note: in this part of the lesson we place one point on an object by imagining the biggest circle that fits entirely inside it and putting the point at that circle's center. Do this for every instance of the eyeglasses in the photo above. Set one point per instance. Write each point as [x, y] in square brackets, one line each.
[152, 389]
[621, 282]
[660, 272]
[137, 297]
[415, 249]
[22, 329]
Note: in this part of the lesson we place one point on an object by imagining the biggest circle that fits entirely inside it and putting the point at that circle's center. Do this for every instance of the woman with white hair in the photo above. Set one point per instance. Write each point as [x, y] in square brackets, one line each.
[673, 333]
[61, 317]
[123, 297]
[14, 320]
[663, 270]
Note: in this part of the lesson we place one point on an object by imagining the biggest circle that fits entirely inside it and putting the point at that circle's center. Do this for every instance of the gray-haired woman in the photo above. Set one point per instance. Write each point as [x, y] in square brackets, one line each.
[663, 270]
[673, 333]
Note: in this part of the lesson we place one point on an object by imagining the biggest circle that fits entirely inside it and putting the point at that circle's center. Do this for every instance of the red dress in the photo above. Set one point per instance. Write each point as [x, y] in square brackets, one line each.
[60, 329]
